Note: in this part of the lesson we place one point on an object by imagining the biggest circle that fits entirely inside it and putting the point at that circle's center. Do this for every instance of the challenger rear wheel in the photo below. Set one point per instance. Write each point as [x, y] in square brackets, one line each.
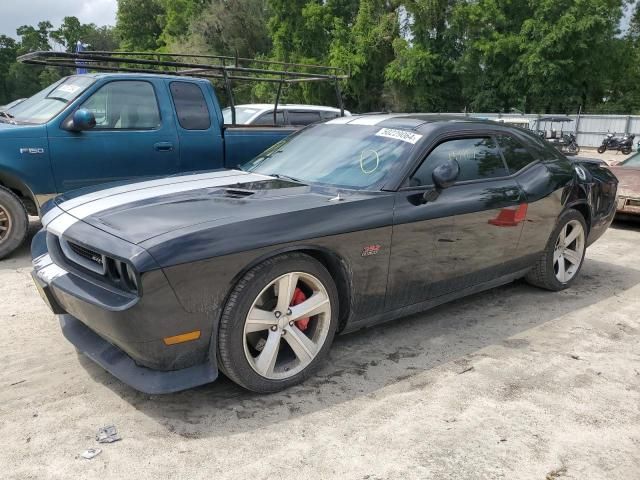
[562, 259]
[13, 222]
[278, 323]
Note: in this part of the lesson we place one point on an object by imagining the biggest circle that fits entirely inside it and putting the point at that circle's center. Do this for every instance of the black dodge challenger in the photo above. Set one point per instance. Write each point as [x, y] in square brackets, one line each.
[346, 224]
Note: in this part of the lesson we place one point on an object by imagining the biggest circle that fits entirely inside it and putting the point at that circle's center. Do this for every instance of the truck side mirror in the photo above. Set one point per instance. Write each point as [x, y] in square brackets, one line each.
[446, 174]
[83, 119]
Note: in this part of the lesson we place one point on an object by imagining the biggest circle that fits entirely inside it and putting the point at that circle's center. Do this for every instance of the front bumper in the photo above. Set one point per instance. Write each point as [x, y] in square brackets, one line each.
[125, 336]
[122, 366]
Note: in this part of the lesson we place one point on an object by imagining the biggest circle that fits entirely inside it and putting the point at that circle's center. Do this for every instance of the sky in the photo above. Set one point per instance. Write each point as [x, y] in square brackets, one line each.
[14, 13]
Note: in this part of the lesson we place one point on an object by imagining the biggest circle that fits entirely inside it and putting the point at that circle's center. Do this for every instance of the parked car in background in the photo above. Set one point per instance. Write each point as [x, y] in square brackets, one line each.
[628, 173]
[286, 114]
[346, 224]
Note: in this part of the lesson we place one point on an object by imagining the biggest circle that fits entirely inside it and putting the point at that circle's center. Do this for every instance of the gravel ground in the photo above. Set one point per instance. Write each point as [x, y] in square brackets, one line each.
[514, 383]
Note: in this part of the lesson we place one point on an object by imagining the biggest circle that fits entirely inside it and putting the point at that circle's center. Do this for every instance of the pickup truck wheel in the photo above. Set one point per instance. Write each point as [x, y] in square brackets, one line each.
[278, 323]
[560, 263]
[13, 222]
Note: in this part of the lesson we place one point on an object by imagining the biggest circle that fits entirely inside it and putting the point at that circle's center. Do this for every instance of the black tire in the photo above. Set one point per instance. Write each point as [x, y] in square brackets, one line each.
[542, 274]
[626, 150]
[17, 222]
[602, 149]
[231, 356]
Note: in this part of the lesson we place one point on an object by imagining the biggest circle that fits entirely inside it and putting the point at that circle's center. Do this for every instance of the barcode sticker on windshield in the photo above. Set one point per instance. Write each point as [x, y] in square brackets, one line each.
[403, 135]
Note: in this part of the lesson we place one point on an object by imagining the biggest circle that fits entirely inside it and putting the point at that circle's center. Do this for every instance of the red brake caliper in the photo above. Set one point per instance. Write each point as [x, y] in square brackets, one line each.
[299, 297]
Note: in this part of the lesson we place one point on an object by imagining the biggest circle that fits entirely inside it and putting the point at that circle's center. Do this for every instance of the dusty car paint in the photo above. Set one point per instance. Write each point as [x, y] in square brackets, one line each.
[189, 246]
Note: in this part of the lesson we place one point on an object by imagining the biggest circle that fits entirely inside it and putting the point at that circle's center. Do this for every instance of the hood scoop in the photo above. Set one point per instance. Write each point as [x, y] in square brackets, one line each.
[237, 193]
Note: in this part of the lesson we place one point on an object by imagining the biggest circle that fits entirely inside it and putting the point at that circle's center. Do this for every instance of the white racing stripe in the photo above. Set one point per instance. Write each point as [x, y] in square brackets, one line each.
[93, 203]
[129, 187]
[46, 269]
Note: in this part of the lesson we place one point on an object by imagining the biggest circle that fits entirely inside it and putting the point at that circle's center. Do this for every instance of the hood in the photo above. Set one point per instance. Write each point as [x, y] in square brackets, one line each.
[137, 212]
[10, 130]
[629, 180]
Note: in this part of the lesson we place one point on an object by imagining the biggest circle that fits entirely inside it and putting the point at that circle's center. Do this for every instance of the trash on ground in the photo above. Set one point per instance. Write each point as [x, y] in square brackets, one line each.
[108, 434]
[90, 453]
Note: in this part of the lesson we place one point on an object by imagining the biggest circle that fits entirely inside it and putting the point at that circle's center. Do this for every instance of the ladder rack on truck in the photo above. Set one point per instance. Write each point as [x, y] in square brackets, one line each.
[225, 68]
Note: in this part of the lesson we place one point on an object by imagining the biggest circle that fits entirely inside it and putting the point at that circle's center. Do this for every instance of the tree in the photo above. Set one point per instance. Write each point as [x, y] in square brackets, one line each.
[366, 49]
[139, 24]
[8, 52]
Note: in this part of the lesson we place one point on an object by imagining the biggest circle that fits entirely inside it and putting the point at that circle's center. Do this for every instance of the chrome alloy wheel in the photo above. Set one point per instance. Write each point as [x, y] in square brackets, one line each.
[5, 224]
[568, 252]
[278, 340]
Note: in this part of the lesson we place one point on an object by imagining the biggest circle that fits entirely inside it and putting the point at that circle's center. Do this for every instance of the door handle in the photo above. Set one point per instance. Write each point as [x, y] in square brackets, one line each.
[163, 146]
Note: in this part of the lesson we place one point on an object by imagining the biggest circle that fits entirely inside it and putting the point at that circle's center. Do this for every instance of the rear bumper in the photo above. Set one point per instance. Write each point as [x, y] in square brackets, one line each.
[121, 366]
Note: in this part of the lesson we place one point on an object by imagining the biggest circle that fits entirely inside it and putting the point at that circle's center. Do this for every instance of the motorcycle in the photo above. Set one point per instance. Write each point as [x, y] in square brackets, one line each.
[571, 143]
[624, 144]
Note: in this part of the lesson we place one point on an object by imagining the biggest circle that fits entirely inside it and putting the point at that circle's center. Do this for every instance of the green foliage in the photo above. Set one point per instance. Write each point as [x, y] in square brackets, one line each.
[139, 24]
[402, 55]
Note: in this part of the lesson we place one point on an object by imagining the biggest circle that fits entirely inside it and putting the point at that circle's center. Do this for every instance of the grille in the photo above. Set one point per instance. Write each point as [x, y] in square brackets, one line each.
[88, 254]
[83, 256]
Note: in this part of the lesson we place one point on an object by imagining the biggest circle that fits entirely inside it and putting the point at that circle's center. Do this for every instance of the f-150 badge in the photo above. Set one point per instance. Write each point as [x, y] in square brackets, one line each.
[32, 151]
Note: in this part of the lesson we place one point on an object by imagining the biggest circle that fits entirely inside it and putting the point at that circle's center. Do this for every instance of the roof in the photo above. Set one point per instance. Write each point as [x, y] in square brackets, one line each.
[138, 75]
[410, 121]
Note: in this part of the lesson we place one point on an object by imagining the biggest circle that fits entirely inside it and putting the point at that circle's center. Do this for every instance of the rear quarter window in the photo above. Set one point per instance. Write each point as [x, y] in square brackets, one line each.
[515, 153]
[191, 107]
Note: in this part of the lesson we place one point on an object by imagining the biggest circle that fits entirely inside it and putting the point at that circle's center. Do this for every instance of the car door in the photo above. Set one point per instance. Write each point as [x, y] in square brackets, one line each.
[134, 136]
[463, 235]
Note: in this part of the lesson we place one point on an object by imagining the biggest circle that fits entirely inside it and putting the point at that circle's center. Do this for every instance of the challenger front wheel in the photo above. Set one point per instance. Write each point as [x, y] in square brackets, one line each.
[278, 323]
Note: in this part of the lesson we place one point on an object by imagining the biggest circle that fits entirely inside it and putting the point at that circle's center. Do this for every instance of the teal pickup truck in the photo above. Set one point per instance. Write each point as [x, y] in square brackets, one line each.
[103, 127]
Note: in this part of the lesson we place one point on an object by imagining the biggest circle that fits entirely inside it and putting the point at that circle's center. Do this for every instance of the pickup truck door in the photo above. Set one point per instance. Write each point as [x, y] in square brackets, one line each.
[135, 136]
[199, 132]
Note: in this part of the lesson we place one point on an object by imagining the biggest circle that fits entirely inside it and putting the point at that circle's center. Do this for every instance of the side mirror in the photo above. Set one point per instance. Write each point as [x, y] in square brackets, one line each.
[83, 119]
[446, 174]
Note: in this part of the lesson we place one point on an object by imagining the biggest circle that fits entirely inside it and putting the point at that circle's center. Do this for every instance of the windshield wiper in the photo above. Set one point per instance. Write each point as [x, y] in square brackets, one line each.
[285, 177]
[4, 113]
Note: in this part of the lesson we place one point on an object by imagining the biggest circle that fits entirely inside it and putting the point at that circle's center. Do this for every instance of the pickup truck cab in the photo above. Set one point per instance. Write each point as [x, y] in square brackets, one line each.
[103, 127]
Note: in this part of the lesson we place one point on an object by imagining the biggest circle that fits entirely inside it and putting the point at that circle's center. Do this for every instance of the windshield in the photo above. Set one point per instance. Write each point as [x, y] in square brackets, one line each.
[632, 161]
[243, 114]
[349, 156]
[46, 104]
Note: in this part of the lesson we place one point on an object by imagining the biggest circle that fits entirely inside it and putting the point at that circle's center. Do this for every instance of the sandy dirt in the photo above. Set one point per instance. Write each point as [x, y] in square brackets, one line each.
[514, 383]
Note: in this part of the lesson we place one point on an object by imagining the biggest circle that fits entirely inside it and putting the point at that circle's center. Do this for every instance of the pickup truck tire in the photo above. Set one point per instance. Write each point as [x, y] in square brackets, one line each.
[14, 222]
[269, 341]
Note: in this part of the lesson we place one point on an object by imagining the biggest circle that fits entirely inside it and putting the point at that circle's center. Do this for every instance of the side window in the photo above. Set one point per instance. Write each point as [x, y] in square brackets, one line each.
[478, 159]
[304, 118]
[515, 154]
[126, 105]
[191, 107]
[267, 118]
